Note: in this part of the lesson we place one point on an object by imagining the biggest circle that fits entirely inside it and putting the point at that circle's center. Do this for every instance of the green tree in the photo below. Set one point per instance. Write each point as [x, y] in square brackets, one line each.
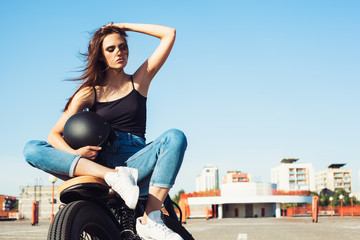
[16, 206]
[324, 200]
[176, 198]
[346, 198]
[313, 194]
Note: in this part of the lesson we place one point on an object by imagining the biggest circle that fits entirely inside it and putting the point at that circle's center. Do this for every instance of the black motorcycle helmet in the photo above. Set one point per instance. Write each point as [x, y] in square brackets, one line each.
[86, 129]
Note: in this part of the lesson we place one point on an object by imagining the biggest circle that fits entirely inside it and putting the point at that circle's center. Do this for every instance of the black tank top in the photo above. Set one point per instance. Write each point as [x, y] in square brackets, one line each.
[127, 114]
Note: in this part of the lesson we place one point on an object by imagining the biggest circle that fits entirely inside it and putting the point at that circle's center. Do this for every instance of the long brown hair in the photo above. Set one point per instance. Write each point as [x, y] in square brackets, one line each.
[94, 71]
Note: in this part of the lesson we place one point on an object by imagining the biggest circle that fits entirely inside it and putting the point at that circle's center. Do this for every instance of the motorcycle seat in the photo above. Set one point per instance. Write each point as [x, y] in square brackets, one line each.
[83, 187]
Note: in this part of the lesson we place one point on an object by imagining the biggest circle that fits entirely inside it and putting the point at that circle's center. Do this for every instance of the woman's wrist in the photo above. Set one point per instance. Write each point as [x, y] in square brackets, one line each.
[121, 25]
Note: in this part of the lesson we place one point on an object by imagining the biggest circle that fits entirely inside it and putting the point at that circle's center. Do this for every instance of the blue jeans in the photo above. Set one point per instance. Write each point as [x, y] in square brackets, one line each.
[158, 163]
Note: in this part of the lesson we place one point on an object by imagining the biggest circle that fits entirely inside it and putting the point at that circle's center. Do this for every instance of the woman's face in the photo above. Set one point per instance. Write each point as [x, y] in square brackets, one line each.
[115, 51]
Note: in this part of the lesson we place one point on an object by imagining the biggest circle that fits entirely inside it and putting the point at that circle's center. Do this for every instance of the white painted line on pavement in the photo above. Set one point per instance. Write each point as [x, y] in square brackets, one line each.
[242, 236]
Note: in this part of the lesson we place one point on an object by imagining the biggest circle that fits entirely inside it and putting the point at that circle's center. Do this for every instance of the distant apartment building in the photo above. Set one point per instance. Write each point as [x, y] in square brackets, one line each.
[236, 176]
[239, 197]
[334, 178]
[8, 207]
[208, 179]
[292, 176]
[7, 203]
[41, 194]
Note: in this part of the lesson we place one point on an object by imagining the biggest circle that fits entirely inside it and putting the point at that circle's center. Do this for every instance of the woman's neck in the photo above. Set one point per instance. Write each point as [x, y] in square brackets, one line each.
[115, 76]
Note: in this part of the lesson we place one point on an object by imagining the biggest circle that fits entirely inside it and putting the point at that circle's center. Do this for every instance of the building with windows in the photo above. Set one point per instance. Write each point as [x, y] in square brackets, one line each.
[208, 179]
[236, 176]
[8, 207]
[43, 196]
[241, 199]
[334, 178]
[293, 176]
[238, 196]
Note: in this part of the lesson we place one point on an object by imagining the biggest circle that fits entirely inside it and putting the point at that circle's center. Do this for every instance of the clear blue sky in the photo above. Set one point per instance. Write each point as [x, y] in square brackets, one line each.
[249, 82]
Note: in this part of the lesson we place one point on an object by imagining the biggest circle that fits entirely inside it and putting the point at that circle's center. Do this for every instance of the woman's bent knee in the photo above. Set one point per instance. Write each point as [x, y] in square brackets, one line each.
[41, 155]
[177, 137]
[31, 150]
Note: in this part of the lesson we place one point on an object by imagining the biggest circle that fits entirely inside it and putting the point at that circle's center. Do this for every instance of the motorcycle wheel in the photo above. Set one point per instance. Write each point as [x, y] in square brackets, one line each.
[83, 220]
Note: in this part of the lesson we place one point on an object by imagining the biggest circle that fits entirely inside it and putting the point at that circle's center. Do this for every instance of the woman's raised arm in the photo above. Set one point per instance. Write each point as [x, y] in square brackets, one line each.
[147, 71]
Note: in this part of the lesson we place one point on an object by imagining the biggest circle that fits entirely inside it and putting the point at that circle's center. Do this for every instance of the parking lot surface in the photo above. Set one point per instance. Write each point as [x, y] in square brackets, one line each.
[230, 228]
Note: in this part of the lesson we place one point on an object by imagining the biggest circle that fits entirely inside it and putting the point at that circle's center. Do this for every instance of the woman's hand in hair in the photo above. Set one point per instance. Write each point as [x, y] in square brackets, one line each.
[89, 152]
[119, 25]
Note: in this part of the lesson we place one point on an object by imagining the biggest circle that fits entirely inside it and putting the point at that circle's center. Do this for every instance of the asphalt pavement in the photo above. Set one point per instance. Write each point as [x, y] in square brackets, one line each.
[229, 228]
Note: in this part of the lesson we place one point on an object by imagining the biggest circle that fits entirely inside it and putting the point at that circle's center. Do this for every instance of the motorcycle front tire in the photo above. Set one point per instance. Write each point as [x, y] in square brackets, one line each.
[83, 220]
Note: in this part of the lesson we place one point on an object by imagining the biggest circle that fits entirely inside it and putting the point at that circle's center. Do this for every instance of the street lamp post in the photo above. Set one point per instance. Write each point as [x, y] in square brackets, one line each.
[283, 210]
[341, 201]
[20, 208]
[52, 179]
[331, 206]
[351, 195]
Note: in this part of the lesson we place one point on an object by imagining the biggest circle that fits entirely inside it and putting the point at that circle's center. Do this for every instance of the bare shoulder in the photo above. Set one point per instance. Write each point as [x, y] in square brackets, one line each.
[84, 97]
[141, 82]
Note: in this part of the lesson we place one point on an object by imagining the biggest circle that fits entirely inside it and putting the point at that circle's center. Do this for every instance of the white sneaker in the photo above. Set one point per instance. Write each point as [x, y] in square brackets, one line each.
[132, 171]
[155, 229]
[124, 183]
